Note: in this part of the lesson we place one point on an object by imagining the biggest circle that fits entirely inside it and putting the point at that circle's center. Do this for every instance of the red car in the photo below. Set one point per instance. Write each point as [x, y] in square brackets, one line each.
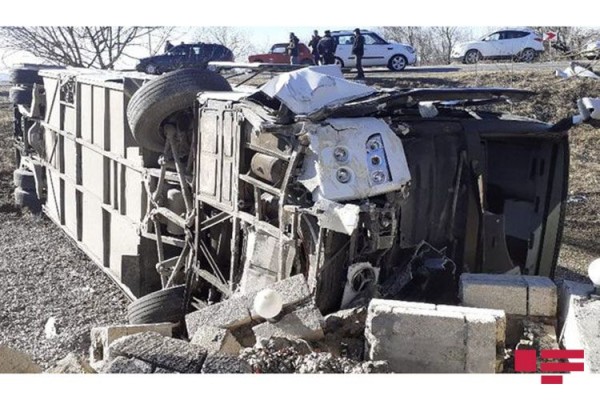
[279, 55]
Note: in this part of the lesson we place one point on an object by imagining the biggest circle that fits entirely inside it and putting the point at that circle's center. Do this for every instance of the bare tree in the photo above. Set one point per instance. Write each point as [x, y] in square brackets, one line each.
[234, 39]
[434, 44]
[81, 46]
[448, 37]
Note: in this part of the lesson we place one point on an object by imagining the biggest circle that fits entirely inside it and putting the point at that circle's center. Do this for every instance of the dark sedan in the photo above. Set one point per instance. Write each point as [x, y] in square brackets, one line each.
[195, 55]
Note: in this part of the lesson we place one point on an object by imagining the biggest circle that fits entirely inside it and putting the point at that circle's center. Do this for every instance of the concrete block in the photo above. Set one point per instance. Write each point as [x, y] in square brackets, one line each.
[160, 351]
[481, 343]
[517, 295]
[417, 337]
[103, 337]
[498, 315]
[225, 364]
[17, 362]
[580, 315]
[305, 323]
[237, 311]
[216, 340]
[124, 365]
[541, 296]
[504, 292]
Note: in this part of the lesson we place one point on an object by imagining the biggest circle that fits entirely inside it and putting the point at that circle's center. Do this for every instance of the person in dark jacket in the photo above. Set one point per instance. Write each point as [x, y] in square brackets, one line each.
[327, 47]
[358, 49]
[168, 46]
[293, 49]
[314, 45]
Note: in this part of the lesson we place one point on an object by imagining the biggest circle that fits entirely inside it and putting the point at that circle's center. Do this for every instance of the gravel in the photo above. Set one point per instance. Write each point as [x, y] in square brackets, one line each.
[44, 275]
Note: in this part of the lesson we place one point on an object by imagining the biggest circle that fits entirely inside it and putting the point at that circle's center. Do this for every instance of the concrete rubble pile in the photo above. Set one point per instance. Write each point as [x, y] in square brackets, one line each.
[497, 313]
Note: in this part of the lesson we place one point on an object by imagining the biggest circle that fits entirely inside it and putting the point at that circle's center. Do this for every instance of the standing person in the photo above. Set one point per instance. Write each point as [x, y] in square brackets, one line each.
[327, 48]
[314, 45]
[293, 49]
[358, 49]
[168, 46]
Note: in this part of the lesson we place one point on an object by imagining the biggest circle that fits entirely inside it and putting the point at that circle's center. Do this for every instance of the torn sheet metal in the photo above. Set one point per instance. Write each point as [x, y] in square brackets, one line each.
[310, 89]
[337, 217]
[577, 70]
[353, 158]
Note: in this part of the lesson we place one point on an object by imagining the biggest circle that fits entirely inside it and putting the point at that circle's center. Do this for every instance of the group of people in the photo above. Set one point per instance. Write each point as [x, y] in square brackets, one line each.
[323, 49]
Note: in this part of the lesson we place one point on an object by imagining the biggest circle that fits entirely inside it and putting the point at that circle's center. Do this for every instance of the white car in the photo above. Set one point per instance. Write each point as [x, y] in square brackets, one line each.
[378, 52]
[517, 44]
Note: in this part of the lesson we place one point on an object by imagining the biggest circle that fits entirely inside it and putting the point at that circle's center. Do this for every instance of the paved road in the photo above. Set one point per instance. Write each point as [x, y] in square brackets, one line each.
[482, 67]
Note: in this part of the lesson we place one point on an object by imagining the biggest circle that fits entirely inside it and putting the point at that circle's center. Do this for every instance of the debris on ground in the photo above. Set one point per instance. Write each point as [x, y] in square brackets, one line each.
[577, 70]
[72, 364]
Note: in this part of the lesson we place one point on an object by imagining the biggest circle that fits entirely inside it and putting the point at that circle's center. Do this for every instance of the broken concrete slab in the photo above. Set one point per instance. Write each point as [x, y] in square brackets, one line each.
[17, 362]
[160, 351]
[515, 294]
[346, 323]
[124, 365]
[225, 364]
[417, 338]
[72, 364]
[103, 337]
[237, 311]
[304, 323]
[216, 340]
[228, 314]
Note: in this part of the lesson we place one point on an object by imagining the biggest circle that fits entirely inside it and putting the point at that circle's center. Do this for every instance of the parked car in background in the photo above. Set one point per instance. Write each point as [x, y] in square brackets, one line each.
[196, 55]
[518, 44]
[378, 51]
[591, 50]
[278, 55]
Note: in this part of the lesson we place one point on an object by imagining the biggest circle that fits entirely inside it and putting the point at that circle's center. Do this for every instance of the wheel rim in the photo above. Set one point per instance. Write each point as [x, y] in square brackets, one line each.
[398, 63]
[472, 57]
[151, 69]
[528, 55]
[339, 63]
